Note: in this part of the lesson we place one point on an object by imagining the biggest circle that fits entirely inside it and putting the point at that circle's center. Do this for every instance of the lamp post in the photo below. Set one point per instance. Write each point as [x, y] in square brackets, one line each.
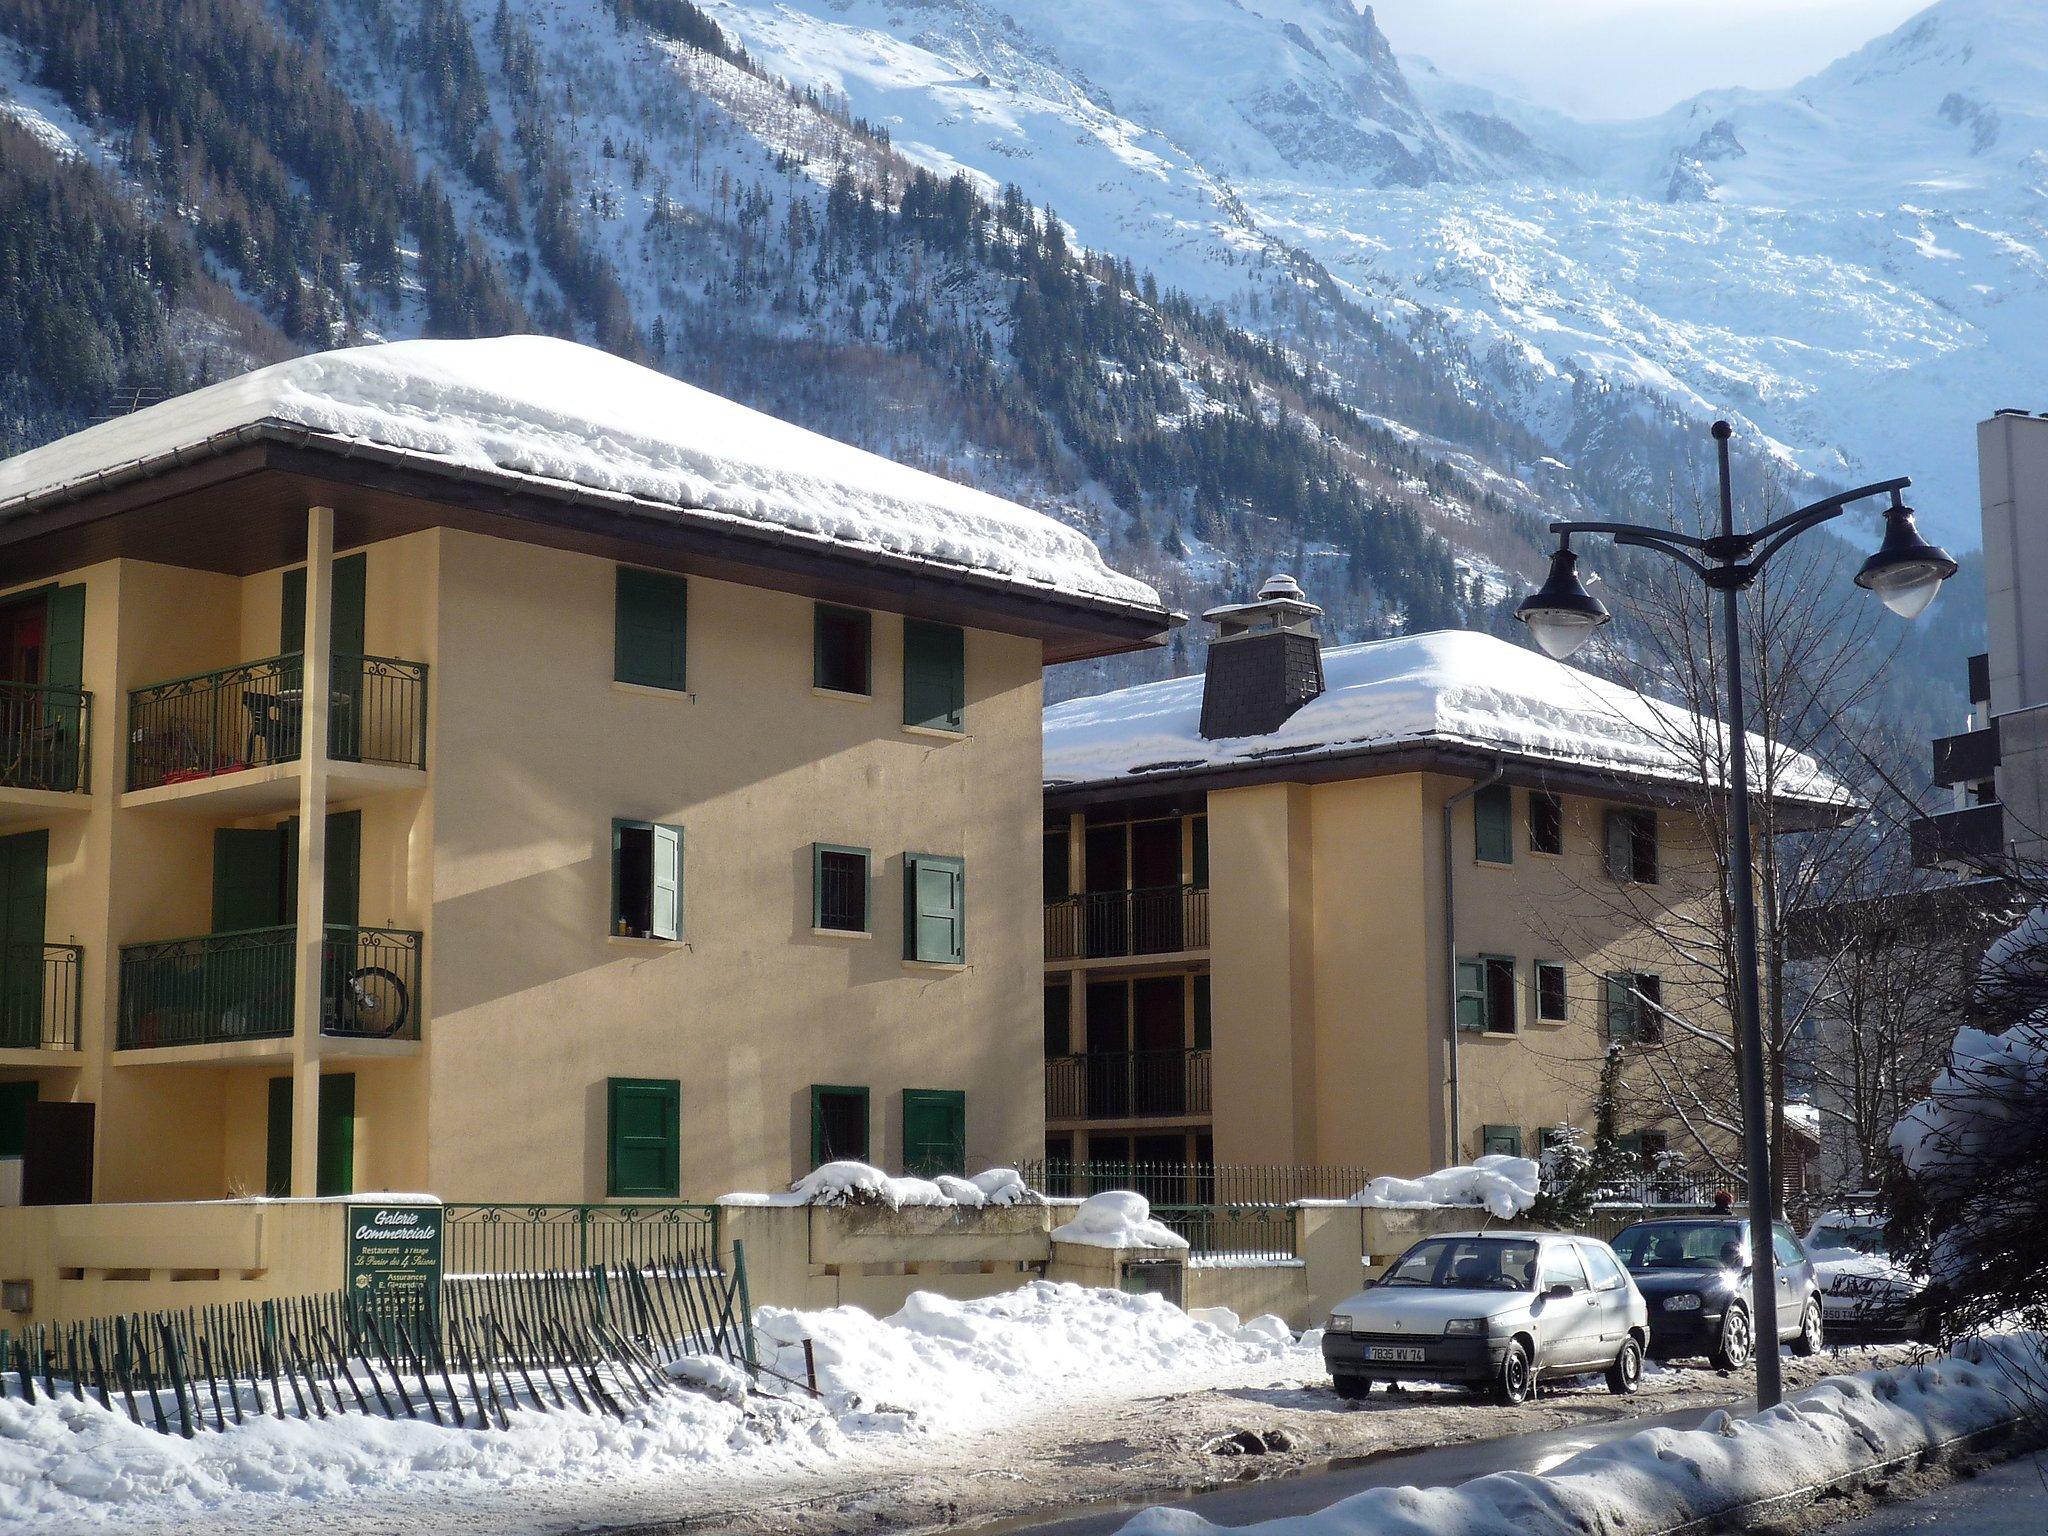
[1905, 573]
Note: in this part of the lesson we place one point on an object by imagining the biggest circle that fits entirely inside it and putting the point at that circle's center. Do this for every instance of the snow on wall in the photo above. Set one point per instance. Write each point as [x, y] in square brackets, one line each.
[1455, 687]
[1117, 1218]
[554, 411]
[1504, 1186]
[855, 1183]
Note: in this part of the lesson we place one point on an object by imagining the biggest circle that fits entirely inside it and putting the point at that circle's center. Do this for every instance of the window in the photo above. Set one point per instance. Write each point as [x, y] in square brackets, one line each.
[1786, 1247]
[1546, 822]
[1493, 814]
[934, 676]
[1500, 1140]
[934, 1132]
[652, 616]
[1486, 995]
[934, 909]
[1634, 1007]
[841, 649]
[643, 1138]
[1553, 1002]
[839, 1124]
[647, 880]
[1632, 846]
[839, 888]
[1606, 1274]
[1561, 1266]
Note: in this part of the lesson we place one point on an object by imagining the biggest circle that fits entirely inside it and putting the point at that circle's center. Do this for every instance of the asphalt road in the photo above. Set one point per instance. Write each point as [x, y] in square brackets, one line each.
[1303, 1493]
[2011, 1500]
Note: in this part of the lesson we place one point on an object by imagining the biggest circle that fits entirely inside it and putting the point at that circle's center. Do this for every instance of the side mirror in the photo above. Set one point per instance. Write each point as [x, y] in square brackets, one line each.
[1559, 1292]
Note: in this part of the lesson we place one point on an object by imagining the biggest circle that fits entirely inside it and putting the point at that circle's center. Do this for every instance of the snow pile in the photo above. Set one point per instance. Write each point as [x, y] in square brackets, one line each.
[1505, 1186]
[956, 1364]
[1661, 1478]
[853, 1183]
[547, 410]
[1266, 1328]
[1117, 1218]
[1456, 687]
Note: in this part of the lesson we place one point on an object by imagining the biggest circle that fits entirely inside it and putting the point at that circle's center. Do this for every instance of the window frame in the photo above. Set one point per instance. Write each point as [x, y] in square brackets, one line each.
[649, 584]
[819, 1093]
[864, 624]
[1537, 1010]
[1488, 967]
[819, 852]
[1645, 846]
[1493, 822]
[669, 1187]
[1555, 802]
[655, 829]
[1646, 1027]
[913, 865]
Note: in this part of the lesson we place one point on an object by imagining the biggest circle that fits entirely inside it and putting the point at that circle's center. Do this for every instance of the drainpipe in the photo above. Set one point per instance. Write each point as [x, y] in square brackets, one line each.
[1500, 769]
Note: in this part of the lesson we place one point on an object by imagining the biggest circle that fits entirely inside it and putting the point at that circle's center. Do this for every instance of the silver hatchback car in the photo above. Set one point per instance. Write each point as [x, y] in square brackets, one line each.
[1498, 1310]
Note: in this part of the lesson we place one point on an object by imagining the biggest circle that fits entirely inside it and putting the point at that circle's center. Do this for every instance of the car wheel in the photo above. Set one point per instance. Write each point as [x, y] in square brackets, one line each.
[1351, 1388]
[1732, 1351]
[1626, 1374]
[1810, 1330]
[1516, 1377]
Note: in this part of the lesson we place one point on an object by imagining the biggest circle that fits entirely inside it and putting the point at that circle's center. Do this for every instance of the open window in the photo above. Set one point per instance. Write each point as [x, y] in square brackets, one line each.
[1632, 846]
[647, 880]
[842, 647]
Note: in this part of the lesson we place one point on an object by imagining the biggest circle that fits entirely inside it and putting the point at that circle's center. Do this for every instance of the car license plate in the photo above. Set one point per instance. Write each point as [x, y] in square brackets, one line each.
[1393, 1354]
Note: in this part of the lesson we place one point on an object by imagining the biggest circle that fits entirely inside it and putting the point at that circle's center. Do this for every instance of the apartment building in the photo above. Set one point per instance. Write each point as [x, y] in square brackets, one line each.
[1384, 906]
[495, 769]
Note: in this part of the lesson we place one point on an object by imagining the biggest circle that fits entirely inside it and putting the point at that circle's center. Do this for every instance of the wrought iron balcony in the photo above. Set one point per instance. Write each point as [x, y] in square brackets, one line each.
[1974, 835]
[249, 716]
[1967, 758]
[1127, 1085]
[1153, 920]
[43, 737]
[222, 987]
[39, 999]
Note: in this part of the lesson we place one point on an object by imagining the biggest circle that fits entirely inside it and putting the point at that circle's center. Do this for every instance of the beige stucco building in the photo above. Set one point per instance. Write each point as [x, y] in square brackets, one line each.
[496, 770]
[1382, 908]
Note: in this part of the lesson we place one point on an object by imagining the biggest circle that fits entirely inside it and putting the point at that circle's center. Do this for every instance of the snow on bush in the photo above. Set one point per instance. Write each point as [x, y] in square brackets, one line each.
[1662, 1478]
[1117, 1218]
[1504, 1186]
[852, 1183]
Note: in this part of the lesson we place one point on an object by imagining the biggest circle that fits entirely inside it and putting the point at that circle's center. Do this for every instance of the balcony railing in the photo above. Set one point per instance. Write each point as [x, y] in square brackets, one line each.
[1973, 835]
[1127, 1085]
[43, 737]
[1153, 920]
[221, 987]
[1967, 758]
[39, 999]
[251, 715]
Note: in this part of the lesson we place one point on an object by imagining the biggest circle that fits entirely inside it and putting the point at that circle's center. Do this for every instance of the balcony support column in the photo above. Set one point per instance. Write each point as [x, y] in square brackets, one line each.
[314, 704]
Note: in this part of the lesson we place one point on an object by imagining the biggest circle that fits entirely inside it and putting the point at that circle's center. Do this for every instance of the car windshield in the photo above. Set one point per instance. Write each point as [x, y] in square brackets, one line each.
[1863, 1237]
[1467, 1264]
[1683, 1245]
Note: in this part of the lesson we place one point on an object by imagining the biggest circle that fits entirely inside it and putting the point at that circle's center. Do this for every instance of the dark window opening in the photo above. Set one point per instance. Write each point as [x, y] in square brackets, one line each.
[1546, 822]
[839, 1125]
[1632, 846]
[840, 885]
[1553, 1005]
[844, 650]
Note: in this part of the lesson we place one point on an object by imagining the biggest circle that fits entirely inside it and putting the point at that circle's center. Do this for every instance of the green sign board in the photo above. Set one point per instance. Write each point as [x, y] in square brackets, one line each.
[394, 1260]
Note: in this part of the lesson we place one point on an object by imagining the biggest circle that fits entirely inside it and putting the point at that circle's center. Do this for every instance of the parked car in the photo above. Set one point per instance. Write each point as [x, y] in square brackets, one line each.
[1498, 1310]
[1863, 1289]
[1694, 1272]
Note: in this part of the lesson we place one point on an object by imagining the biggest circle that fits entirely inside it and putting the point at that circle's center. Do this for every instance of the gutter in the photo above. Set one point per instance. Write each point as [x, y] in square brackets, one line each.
[1500, 769]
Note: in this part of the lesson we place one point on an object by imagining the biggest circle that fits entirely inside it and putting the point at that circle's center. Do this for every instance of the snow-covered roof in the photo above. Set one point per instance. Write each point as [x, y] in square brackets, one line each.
[546, 410]
[1447, 688]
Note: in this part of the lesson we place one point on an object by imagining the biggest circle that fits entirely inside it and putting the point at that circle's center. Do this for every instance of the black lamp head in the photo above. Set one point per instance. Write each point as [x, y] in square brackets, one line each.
[1906, 571]
[1563, 614]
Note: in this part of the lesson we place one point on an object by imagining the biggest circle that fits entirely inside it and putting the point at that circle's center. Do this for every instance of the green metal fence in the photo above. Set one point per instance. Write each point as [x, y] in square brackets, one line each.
[1224, 1233]
[39, 996]
[44, 737]
[1198, 1183]
[241, 986]
[498, 1239]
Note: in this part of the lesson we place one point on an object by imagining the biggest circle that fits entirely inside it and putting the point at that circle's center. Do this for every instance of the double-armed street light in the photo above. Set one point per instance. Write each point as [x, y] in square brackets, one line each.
[1905, 573]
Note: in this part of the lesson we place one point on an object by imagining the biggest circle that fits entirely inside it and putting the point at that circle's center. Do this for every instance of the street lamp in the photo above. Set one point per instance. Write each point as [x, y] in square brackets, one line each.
[1905, 573]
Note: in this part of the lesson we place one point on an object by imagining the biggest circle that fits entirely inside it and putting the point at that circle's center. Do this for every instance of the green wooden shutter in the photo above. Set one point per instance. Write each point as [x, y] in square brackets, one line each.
[64, 667]
[344, 883]
[652, 624]
[24, 882]
[1620, 846]
[1621, 1008]
[248, 878]
[291, 613]
[1472, 995]
[934, 909]
[1493, 812]
[934, 676]
[335, 1172]
[934, 1132]
[277, 1140]
[1501, 1140]
[1203, 1027]
[665, 906]
[346, 631]
[643, 1137]
[15, 1099]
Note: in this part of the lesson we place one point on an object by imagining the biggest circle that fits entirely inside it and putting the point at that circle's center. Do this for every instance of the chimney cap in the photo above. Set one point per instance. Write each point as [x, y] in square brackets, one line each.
[1279, 601]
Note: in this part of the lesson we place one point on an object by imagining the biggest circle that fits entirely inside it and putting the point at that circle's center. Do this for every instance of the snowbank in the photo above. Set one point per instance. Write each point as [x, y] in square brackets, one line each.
[1663, 1478]
[549, 410]
[1453, 686]
[1504, 1186]
[852, 1183]
[1117, 1218]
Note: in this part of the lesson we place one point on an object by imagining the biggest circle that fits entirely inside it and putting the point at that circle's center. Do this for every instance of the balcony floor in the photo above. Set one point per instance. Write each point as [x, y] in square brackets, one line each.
[276, 1051]
[24, 805]
[272, 787]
